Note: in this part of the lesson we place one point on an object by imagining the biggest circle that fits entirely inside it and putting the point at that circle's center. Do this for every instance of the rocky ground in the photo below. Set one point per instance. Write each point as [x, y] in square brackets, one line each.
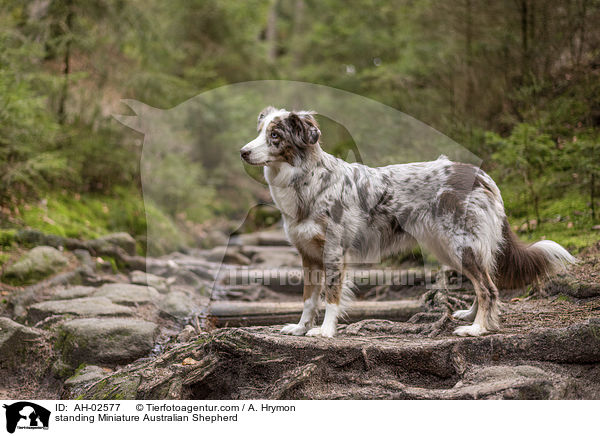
[98, 322]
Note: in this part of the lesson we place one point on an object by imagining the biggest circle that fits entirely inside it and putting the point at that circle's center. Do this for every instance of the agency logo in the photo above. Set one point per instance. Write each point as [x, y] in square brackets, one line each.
[26, 415]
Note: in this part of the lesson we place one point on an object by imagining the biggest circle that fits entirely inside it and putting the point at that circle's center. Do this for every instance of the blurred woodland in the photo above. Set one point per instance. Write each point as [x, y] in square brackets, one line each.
[517, 82]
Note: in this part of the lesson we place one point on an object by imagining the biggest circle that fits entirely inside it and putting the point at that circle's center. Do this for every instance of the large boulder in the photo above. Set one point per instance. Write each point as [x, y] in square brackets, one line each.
[105, 340]
[36, 264]
[89, 306]
[544, 363]
[16, 341]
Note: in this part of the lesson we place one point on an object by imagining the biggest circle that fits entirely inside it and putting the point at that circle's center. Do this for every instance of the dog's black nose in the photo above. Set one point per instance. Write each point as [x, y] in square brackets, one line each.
[245, 154]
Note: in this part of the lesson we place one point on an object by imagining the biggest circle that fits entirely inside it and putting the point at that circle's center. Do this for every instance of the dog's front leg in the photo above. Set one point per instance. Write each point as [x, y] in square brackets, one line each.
[334, 276]
[313, 276]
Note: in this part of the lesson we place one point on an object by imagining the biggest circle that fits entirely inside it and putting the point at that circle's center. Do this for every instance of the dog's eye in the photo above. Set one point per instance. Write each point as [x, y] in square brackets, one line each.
[274, 135]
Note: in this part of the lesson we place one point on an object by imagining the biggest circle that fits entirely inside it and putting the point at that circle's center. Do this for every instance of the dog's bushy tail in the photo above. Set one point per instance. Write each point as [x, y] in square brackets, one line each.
[519, 264]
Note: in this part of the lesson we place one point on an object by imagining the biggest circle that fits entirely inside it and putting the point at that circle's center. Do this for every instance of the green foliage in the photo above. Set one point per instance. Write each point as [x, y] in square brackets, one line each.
[177, 187]
[87, 216]
[4, 257]
[28, 159]
[525, 152]
[518, 86]
[163, 236]
[7, 237]
[567, 219]
[526, 156]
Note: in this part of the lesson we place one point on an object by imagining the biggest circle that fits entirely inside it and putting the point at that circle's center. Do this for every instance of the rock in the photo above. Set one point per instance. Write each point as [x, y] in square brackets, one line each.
[38, 263]
[505, 382]
[184, 277]
[560, 363]
[186, 334]
[90, 306]
[596, 227]
[122, 293]
[73, 292]
[105, 340]
[119, 388]
[147, 279]
[84, 257]
[243, 239]
[225, 254]
[244, 293]
[86, 375]
[122, 239]
[214, 238]
[564, 284]
[266, 238]
[178, 305]
[273, 238]
[274, 259]
[16, 341]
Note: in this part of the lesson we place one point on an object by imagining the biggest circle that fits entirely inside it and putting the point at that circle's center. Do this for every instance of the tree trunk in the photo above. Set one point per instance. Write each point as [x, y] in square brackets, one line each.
[581, 31]
[297, 47]
[524, 38]
[592, 195]
[468, 106]
[272, 31]
[62, 111]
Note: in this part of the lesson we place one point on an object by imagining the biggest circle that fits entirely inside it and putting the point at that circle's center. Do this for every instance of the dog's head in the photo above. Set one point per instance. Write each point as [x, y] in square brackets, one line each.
[282, 137]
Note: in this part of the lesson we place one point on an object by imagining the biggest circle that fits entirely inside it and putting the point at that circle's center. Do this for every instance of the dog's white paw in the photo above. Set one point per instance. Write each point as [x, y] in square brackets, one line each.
[315, 331]
[470, 330]
[322, 331]
[467, 315]
[294, 329]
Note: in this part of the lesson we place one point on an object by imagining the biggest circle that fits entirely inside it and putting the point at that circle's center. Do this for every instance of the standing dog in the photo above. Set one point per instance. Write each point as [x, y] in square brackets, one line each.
[334, 211]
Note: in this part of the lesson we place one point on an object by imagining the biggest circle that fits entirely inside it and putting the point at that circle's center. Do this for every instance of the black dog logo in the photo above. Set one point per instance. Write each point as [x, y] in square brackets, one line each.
[28, 415]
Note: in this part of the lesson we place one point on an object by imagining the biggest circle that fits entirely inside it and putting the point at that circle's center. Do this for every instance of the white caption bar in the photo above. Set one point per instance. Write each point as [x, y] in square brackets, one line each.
[285, 418]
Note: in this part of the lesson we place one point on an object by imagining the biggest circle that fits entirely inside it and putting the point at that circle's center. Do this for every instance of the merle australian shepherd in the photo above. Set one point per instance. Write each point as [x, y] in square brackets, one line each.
[334, 211]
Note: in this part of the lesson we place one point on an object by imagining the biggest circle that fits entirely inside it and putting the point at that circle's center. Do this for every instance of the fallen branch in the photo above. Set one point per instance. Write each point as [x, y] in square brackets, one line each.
[235, 314]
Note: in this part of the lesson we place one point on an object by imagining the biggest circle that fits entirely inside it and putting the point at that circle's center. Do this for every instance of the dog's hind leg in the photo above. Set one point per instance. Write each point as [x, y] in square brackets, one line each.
[486, 318]
[313, 276]
[479, 325]
[468, 314]
[493, 320]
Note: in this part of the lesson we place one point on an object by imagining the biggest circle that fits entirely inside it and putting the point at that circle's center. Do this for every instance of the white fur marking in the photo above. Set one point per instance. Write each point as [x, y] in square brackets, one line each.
[470, 330]
[329, 327]
[309, 313]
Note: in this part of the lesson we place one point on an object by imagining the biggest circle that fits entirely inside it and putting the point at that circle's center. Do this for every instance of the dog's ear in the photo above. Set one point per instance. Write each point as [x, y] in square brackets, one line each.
[313, 133]
[305, 126]
[261, 116]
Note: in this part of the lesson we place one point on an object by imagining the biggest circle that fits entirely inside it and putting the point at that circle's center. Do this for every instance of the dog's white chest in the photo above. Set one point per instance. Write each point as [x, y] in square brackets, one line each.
[284, 196]
[286, 200]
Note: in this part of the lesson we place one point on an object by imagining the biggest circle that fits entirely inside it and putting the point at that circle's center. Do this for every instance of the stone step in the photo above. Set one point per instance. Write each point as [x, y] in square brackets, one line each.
[267, 237]
[87, 306]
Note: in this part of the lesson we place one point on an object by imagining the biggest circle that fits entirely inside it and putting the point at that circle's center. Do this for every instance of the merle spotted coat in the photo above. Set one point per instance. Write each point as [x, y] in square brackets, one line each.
[335, 212]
